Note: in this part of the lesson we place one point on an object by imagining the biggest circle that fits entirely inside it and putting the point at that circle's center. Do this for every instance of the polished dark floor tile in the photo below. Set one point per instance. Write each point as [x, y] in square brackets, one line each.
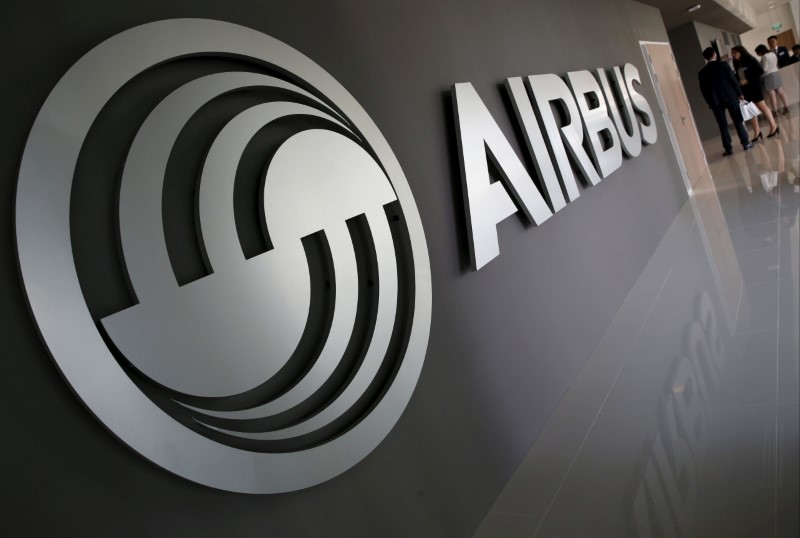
[751, 370]
[740, 215]
[755, 237]
[759, 265]
[759, 307]
[508, 525]
[788, 304]
[788, 485]
[788, 366]
[736, 490]
[684, 420]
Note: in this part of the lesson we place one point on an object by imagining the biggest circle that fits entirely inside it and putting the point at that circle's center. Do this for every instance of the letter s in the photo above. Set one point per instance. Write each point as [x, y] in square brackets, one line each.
[649, 131]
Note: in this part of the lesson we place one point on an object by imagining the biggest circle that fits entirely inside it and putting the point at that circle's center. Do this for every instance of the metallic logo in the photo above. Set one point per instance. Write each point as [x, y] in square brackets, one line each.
[589, 135]
[274, 371]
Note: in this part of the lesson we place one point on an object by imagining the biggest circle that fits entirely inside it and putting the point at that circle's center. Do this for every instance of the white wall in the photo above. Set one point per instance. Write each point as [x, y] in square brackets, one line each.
[706, 34]
[785, 14]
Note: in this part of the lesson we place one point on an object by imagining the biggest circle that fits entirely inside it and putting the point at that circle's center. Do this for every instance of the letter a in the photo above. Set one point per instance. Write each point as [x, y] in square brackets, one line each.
[486, 203]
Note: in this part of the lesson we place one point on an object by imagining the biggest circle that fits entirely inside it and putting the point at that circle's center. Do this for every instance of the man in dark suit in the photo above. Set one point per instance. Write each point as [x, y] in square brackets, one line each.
[722, 92]
[795, 55]
[781, 52]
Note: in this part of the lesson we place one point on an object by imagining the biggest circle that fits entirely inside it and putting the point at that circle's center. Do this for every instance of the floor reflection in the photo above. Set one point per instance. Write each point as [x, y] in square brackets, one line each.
[668, 488]
[684, 421]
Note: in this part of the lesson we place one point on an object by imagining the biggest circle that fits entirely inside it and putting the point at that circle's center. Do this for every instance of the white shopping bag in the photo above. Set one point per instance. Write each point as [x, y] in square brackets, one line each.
[749, 110]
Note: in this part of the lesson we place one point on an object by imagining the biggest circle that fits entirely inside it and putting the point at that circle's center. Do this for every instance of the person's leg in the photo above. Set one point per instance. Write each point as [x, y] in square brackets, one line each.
[738, 122]
[781, 164]
[782, 95]
[777, 129]
[722, 122]
[772, 101]
[762, 106]
[756, 128]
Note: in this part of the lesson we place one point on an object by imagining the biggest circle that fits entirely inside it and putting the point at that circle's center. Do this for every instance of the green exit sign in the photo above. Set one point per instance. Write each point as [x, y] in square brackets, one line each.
[777, 26]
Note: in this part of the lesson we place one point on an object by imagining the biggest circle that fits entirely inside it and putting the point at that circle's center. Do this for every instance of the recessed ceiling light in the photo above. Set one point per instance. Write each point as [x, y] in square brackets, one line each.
[694, 8]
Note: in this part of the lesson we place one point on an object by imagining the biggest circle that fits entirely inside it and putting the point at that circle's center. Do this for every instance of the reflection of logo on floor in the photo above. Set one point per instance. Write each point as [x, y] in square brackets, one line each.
[670, 476]
[283, 362]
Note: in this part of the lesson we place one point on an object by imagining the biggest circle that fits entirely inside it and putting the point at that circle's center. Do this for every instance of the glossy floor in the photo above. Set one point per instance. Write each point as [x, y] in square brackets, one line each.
[684, 421]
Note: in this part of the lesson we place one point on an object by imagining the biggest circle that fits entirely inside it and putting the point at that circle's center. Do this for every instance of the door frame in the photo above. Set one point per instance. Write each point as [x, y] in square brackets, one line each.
[665, 114]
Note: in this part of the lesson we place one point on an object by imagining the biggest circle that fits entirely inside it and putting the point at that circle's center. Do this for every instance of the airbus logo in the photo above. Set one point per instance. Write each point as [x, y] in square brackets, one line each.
[274, 370]
[585, 126]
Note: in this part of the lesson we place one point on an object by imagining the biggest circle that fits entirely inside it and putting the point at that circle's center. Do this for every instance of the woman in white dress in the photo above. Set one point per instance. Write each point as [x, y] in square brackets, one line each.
[771, 79]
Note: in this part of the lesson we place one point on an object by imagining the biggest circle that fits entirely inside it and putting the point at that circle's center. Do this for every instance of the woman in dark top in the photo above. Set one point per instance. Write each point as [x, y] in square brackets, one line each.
[750, 79]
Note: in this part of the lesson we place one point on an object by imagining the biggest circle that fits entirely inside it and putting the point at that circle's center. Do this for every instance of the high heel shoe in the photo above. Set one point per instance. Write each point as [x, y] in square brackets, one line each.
[775, 132]
[759, 137]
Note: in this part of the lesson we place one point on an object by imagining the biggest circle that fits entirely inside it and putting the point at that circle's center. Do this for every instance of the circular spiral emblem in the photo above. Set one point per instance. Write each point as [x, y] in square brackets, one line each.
[275, 300]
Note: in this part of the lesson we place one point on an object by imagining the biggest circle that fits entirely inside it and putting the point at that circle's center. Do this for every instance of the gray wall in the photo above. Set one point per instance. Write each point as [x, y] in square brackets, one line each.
[505, 341]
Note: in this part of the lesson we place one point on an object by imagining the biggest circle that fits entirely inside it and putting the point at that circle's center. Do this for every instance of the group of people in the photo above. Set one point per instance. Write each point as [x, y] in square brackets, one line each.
[723, 90]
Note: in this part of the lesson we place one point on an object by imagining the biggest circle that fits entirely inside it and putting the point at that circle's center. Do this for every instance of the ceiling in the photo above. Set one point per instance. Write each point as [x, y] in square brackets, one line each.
[711, 12]
[762, 6]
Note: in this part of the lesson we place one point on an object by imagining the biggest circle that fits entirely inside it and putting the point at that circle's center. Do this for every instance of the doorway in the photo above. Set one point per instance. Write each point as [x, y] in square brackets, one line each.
[786, 39]
[674, 106]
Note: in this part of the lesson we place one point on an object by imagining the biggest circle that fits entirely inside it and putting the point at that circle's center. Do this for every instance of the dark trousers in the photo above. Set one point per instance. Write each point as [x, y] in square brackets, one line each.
[738, 122]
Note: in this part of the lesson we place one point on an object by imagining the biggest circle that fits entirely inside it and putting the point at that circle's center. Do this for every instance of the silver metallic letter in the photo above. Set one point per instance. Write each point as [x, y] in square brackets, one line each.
[548, 88]
[631, 143]
[535, 141]
[596, 121]
[487, 203]
[649, 131]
